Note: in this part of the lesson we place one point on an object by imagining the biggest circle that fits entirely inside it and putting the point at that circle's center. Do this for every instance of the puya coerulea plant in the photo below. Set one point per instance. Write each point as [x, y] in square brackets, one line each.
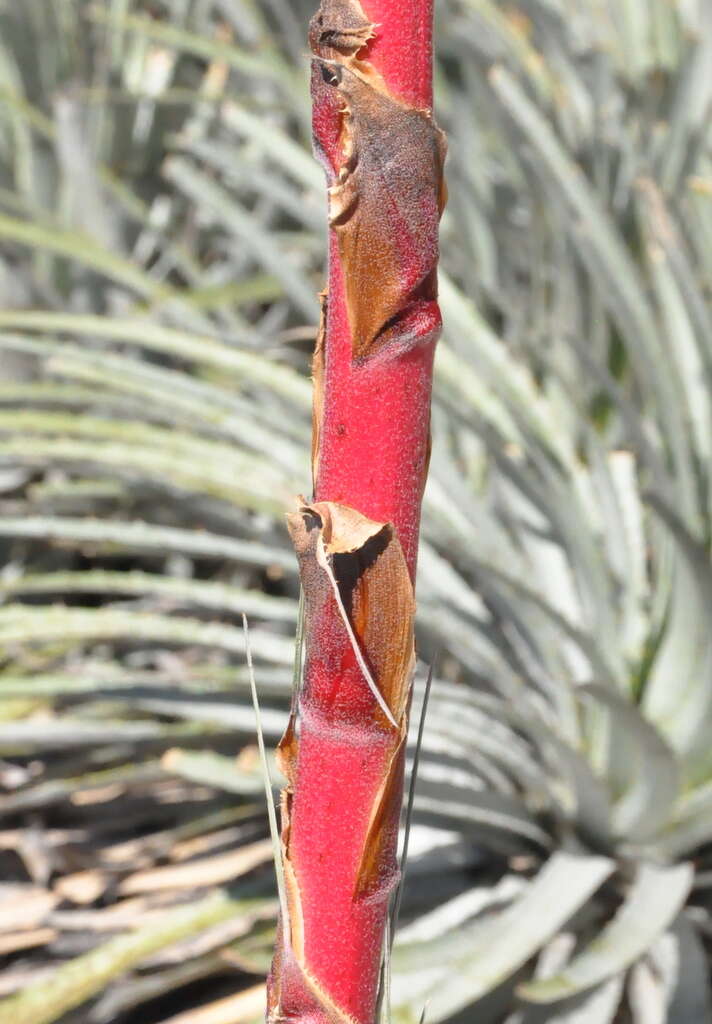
[356, 540]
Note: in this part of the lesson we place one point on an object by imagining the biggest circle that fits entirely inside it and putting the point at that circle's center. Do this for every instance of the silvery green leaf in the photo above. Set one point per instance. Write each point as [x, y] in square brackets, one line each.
[26, 624]
[622, 467]
[672, 982]
[135, 583]
[503, 822]
[648, 802]
[201, 349]
[486, 953]
[135, 535]
[690, 825]
[653, 902]
[80, 978]
[599, 1006]
[678, 692]
[689, 998]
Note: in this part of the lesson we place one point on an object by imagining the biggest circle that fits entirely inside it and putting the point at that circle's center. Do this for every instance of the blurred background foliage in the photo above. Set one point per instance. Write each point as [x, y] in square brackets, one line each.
[162, 230]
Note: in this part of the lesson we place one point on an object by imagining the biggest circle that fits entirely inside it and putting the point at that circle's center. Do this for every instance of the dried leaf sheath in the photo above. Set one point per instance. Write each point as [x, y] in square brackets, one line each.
[343, 752]
[385, 213]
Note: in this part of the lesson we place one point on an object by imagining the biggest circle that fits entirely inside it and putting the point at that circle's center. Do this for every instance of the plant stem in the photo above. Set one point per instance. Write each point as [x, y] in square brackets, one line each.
[343, 752]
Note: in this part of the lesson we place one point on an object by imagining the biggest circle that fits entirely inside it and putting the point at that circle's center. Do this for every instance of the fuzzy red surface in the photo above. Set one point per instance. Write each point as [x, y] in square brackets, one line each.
[374, 450]
[402, 47]
[376, 423]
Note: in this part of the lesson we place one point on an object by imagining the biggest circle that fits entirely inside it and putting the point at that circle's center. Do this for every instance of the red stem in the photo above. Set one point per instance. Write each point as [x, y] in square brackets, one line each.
[376, 424]
[373, 419]
[402, 49]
